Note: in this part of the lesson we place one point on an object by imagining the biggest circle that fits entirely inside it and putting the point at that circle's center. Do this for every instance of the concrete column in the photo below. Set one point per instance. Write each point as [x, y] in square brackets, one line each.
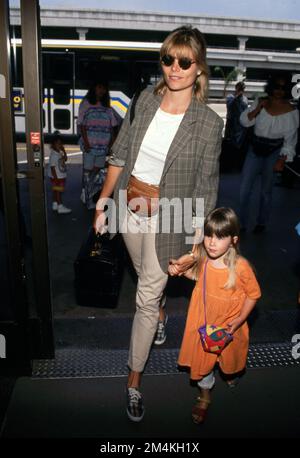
[82, 33]
[242, 42]
[242, 73]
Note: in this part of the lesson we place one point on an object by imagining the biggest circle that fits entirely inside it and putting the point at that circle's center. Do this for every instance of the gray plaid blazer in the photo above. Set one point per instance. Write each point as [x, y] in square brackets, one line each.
[191, 168]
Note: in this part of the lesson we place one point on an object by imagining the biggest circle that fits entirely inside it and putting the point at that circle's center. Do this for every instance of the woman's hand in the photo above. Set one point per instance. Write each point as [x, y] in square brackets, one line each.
[234, 325]
[261, 104]
[181, 265]
[172, 270]
[99, 222]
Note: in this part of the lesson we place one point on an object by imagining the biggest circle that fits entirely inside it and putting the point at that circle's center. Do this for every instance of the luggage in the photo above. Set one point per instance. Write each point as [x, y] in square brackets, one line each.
[98, 271]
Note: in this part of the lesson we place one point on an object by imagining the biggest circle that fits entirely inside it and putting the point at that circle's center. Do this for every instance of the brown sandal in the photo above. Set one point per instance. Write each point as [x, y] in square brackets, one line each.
[233, 382]
[199, 413]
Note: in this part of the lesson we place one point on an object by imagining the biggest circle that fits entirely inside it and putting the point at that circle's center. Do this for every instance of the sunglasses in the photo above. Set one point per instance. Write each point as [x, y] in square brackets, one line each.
[183, 62]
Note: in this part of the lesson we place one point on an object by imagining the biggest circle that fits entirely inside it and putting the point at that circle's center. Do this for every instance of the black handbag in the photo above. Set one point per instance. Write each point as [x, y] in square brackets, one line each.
[263, 146]
[98, 270]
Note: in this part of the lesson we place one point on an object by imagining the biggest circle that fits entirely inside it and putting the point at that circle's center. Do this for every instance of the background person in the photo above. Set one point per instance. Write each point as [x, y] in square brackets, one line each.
[171, 149]
[97, 123]
[57, 173]
[235, 136]
[275, 122]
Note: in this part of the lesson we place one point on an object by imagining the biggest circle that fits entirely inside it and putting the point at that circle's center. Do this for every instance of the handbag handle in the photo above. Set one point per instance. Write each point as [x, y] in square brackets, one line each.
[204, 290]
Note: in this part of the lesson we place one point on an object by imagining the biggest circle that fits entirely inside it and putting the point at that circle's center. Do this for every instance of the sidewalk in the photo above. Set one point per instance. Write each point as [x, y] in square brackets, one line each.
[266, 403]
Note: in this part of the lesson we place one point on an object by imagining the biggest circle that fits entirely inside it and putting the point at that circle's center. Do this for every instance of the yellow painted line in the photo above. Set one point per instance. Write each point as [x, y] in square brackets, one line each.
[116, 103]
[68, 148]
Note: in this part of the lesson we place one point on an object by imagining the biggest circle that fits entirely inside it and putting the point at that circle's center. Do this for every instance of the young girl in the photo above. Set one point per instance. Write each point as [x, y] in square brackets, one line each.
[58, 173]
[231, 292]
[97, 125]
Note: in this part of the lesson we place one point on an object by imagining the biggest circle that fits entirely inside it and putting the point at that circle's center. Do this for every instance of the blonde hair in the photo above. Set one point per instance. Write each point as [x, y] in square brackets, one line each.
[182, 39]
[221, 222]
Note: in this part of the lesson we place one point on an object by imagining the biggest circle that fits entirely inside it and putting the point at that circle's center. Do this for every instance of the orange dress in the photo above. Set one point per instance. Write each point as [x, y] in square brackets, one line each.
[222, 305]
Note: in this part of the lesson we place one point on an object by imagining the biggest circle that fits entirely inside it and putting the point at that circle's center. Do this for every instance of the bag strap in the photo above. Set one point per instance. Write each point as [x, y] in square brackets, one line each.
[204, 290]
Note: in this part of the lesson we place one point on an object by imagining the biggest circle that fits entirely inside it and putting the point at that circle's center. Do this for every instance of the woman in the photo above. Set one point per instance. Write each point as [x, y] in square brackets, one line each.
[170, 150]
[96, 123]
[275, 124]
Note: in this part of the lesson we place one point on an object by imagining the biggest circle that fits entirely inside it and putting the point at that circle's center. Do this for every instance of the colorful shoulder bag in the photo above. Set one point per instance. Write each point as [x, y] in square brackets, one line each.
[213, 338]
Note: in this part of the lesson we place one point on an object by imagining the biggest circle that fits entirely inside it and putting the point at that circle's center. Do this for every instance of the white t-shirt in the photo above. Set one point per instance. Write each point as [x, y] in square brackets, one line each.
[279, 126]
[155, 146]
[56, 159]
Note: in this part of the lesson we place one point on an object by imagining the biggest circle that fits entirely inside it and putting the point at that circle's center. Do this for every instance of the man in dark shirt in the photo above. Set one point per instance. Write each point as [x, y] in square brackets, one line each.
[235, 134]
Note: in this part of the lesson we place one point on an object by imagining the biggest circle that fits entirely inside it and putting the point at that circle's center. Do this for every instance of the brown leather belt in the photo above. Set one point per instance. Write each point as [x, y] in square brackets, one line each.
[142, 198]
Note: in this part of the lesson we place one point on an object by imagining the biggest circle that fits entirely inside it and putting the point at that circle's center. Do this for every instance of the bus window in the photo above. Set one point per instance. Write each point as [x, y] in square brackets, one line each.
[61, 94]
[62, 119]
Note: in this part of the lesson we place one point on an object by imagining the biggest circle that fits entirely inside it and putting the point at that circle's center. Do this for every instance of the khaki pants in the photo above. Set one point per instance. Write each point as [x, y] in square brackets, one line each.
[140, 242]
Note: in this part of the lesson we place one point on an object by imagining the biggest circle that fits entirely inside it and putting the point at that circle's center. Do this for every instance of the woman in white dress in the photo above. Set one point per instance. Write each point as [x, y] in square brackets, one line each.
[275, 123]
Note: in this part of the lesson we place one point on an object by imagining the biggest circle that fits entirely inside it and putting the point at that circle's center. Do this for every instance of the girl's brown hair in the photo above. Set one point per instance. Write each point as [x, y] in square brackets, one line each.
[221, 222]
[179, 40]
